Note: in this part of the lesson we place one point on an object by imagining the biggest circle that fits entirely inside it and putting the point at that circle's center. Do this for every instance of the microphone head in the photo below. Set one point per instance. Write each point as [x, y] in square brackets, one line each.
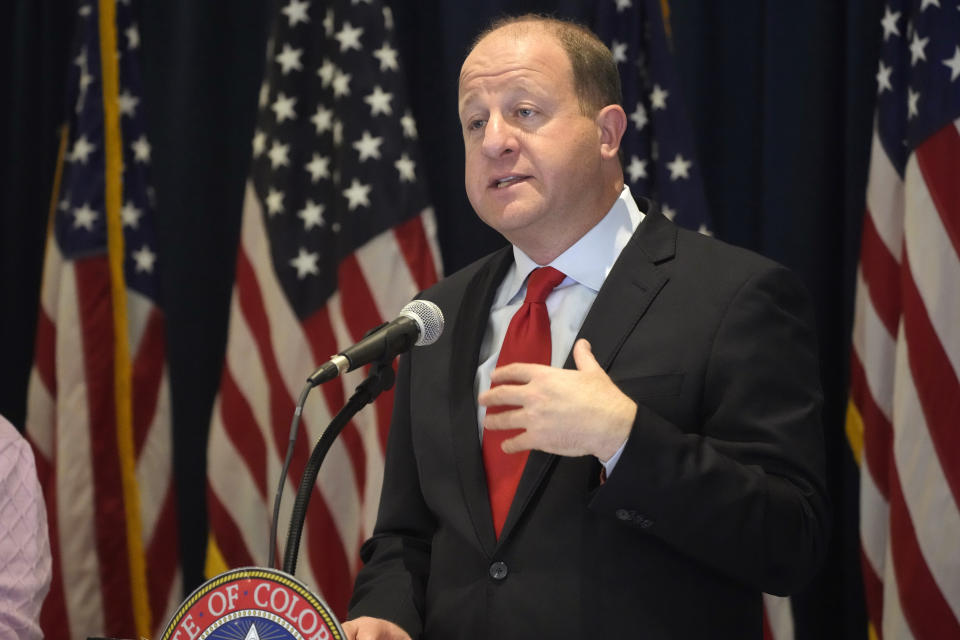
[428, 317]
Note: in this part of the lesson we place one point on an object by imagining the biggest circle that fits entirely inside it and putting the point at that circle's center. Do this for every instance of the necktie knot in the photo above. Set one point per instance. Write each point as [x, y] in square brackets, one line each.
[542, 281]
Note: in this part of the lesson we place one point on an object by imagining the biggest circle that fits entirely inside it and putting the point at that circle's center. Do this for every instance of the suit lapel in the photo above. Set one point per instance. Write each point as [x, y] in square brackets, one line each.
[624, 298]
[471, 323]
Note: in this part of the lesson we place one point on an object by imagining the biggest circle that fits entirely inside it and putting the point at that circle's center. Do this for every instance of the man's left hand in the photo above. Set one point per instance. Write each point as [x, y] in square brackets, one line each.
[561, 411]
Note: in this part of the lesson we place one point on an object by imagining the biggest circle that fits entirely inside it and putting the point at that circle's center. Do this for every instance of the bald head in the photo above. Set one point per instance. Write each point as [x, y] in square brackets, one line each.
[595, 76]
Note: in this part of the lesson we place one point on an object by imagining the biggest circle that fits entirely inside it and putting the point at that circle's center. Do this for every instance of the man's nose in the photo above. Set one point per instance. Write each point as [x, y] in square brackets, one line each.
[499, 137]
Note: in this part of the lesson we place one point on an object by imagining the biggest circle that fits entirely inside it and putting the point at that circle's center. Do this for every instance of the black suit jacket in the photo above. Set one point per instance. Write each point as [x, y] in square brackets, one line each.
[718, 496]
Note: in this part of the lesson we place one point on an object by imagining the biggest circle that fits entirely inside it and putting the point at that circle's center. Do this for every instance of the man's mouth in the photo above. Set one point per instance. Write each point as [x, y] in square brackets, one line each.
[506, 181]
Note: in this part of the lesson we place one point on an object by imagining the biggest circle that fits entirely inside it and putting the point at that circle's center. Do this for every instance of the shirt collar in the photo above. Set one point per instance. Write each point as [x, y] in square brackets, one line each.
[590, 258]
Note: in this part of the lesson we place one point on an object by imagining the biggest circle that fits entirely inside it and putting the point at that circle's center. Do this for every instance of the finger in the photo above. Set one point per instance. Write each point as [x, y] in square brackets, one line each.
[350, 628]
[583, 357]
[516, 373]
[504, 394]
[505, 420]
[520, 442]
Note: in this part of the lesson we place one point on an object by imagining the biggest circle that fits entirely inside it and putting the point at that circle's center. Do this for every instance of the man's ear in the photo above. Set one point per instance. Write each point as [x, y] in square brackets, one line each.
[612, 122]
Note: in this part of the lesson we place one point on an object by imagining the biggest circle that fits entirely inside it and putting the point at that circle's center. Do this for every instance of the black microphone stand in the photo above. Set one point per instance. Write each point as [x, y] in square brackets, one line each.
[380, 379]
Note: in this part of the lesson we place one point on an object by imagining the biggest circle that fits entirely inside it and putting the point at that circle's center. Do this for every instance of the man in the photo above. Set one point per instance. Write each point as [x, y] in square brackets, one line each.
[670, 473]
[24, 545]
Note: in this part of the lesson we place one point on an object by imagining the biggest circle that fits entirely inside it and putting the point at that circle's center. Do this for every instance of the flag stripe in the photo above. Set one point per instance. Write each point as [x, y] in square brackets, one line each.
[879, 268]
[325, 535]
[938, 158]
[894, 624]
[414, 245]
[874, 526]
[162, 558]
[229, 537]
[147, 378]
[872, 590]
[927, 612]
[877, 431]
[885, 198]
[94, 298]
[241, 428]
[936, 384]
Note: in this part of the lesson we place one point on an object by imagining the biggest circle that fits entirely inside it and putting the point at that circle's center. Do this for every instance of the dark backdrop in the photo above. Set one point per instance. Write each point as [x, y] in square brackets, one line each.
[780, 96]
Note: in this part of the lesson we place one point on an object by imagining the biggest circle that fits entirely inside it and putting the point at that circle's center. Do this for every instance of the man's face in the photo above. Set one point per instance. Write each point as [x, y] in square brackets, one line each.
[533, 168]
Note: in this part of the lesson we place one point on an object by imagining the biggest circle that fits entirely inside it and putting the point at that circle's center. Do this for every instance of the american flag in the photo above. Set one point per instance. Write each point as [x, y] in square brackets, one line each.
[337, 236]
[98, 412]
[905, 367]
[658, 151]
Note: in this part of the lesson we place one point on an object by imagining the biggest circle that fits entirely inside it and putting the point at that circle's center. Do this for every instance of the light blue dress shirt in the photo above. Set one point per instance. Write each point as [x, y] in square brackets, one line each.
[586, 265]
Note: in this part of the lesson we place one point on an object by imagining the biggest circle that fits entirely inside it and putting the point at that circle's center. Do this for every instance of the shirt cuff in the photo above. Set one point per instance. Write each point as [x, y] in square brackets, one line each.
[611, 462]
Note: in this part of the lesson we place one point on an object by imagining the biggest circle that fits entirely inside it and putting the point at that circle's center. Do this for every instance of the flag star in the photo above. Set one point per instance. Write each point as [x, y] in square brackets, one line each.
[283, 107]
[296, 12]
[306, 264]
[658, 98]
[929, 3]
[356, 2]
[358, 195]
[133, 37]
[264, 95]
[368, 146]
[328, 23]
[322, 119]
[130, 215]
[141, 149]
[619, 51]
[883, 78]
[81, 60]
[889, 23]
[639, 117]
[81, 150]
[335, 227]
[637, 168]
[409, 125]
[341, 84]
[387, 57]
[84, 217]
[679, 168]
[319, 167]
[85, 10]
[127, 103]
[274, 202]
[337, 136]
[623, 4]
[703, 230]
[279, 155]
[954, 64]
[259, 143]
[289, 59]
[64, 204]
[85, 80]
[312, 215]
[388, 18]
[379, 102]
[913, 97]
[349, 37]
[144, 259]
[326, 72]
[917, 49]
[405, 166]
[668, 213]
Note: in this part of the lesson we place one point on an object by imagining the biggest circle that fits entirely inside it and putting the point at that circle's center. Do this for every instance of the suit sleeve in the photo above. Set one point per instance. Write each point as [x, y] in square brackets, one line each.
[396, 558]
[745, 494]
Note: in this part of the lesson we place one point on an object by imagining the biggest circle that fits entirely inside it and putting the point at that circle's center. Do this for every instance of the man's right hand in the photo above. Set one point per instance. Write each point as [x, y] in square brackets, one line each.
[367, 628]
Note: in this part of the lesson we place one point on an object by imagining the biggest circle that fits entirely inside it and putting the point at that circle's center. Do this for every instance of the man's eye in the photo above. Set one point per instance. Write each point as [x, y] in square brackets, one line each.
[476, 124]
[524, 113]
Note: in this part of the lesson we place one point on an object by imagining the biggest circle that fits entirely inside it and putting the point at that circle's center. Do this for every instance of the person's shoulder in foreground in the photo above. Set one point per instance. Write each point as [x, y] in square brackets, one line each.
[24, 544]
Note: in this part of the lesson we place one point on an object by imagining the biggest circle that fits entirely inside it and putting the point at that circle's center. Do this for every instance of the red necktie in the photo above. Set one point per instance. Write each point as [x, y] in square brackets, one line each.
[527, 340]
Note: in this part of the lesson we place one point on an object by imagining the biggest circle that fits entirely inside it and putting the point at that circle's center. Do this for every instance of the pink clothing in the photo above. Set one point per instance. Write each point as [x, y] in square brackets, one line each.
[24, 543]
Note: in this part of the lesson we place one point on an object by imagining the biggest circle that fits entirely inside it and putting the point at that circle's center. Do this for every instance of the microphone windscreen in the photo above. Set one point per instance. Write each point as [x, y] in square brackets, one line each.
[428, 317]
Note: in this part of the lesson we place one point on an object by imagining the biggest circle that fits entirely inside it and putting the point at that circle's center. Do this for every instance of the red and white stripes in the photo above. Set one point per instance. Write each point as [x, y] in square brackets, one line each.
[905, 391]
[269, 354]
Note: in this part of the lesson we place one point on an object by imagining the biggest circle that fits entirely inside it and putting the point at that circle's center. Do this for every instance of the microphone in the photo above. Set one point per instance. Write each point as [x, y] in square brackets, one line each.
[419, 323]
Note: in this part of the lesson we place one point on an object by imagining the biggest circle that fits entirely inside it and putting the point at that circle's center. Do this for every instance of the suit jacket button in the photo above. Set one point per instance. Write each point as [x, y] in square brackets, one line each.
[625, 515]
[498, 570]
